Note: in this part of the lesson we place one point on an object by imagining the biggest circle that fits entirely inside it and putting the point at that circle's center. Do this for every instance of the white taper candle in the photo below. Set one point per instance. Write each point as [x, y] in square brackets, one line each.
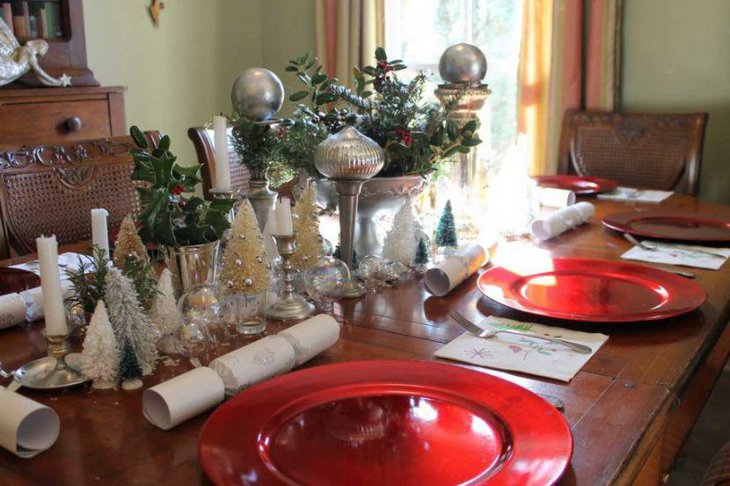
[55, 312]
[222, 165]
[99, 233]
[283, 218]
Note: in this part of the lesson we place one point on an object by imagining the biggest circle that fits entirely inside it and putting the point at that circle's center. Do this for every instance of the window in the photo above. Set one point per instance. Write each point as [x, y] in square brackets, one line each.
[418, 31]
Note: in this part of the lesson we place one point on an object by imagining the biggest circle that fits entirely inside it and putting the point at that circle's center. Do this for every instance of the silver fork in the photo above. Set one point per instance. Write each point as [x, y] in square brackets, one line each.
[644, 246]
[486, 334]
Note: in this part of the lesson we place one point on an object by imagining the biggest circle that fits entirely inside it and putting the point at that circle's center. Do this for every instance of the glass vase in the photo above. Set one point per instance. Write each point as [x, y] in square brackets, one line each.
[245, 313]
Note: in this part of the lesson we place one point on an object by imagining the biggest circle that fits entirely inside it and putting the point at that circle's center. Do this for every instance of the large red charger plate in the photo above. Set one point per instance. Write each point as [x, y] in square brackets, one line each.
[671, 226]
[583, 289]
[582, 186]
[386, 422]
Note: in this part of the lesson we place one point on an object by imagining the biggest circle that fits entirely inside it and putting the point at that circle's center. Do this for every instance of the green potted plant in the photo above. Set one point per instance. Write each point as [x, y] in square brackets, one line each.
[184, 226]
[417, 136]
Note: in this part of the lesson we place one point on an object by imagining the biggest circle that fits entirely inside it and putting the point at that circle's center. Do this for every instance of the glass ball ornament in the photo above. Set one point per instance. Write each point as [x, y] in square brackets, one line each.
[463, 63]
[324, 280]
[377, 271]
[257, 94]
[200, 309]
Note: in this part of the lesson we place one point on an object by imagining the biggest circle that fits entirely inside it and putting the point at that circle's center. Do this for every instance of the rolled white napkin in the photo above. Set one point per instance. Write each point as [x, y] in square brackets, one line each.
[34, 300]
[311, 337]
[183, 397]
[555, 198]
[562, 220]
[12, 310]
[444, 277]
[27, 427]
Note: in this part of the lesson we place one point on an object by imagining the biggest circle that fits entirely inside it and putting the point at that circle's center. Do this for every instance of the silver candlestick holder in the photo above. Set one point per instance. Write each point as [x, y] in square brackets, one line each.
[291, 305]
[51, 372]
[349, 192]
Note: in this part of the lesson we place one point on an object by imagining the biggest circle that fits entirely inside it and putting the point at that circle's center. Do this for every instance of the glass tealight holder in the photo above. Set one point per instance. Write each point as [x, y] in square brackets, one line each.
[245, 313]
[200, 310]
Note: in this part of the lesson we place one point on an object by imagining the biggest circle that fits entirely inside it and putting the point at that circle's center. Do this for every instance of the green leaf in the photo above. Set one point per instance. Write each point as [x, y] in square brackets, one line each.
[449, 152]
[157, 200]
[223, 205]
[471, 142]
[318, 78]
[138, 137]
[164, 144]
[463, 150]
[380, 54]
[299, 95]
[369, 70]
[291, 69]
[399, 67]
[217, 223]
[366, 94]
[324, 98]
[470, 126]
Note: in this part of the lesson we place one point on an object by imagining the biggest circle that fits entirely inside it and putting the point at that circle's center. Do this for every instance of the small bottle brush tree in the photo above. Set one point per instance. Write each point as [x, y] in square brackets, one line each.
[100, 356]
[245, 268]
[129, 321]
[421, 259]
[306, 227]
[446, 229]
[130, 370]
[130, 256]
[165, 315]
[400, 241]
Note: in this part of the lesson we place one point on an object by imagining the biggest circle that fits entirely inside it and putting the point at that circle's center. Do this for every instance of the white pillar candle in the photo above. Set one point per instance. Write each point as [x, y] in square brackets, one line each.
[99, 233]
[271, 226]
[53, 307]
[222, 165]
[283, 218]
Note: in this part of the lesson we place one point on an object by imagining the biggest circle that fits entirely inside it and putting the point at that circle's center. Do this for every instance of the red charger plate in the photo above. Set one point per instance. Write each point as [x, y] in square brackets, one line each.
[16, 280]
[669, 226]
[582, 186]
[385, 422]
[582, 289]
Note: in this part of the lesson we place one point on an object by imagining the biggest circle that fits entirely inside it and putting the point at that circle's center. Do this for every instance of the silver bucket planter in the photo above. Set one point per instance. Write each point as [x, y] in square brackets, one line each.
[192, 265]
[379, 195]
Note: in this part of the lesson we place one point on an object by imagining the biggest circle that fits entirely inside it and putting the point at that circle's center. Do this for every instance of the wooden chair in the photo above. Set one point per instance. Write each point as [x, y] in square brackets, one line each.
[204, 144]
[650, 151]
[51, 189]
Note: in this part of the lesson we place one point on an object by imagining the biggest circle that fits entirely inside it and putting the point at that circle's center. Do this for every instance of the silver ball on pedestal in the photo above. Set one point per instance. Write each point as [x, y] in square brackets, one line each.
[257, 94]
[463, 63]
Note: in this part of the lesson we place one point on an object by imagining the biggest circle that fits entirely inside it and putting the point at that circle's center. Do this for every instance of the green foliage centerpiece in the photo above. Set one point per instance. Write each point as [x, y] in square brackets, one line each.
[186, 227]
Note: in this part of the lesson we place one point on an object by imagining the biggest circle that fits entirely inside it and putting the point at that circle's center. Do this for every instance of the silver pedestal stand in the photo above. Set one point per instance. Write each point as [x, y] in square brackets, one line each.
[348, 192]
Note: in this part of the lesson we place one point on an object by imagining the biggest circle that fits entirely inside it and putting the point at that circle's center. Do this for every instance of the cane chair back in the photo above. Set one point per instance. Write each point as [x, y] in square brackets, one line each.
[649, 151]
[203, 141]
[51, 189]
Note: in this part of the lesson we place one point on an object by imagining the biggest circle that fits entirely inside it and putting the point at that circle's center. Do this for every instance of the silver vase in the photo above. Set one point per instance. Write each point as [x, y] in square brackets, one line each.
[262, 198]
[192, 265]
[379, 195]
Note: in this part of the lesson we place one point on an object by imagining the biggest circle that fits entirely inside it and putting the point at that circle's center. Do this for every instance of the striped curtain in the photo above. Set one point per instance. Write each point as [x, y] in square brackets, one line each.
[348, 31]
[570, 58]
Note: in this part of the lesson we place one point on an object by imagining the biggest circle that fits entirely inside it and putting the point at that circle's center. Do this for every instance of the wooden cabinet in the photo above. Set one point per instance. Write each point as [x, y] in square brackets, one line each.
[50, 115]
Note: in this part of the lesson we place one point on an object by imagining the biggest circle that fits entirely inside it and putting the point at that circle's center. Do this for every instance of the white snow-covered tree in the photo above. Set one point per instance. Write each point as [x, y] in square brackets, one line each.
[100, 356]
[401, 240]
[164, 312]
[129, 321]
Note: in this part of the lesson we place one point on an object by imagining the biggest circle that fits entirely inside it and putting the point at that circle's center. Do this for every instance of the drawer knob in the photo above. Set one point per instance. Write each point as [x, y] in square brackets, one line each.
[73, 124]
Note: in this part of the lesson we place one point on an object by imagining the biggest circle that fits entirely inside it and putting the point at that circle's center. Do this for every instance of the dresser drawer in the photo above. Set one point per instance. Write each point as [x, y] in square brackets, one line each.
[57, 121]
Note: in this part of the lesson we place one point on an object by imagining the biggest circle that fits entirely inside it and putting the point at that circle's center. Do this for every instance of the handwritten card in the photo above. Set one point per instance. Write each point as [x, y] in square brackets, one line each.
[684, 255]
[525, 354]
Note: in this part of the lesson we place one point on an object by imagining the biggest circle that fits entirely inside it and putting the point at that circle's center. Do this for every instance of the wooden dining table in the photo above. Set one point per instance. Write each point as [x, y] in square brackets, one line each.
[629, 408]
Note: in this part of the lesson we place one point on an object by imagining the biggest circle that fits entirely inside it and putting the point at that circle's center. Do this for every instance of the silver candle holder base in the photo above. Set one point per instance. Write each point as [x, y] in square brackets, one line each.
[51, 372]
[291, 305]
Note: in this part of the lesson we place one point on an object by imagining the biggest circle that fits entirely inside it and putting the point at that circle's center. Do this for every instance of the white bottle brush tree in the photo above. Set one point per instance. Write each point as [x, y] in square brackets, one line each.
[165, 315]
[306, 227]
[100, 356]
[401, 241]
[130, 324]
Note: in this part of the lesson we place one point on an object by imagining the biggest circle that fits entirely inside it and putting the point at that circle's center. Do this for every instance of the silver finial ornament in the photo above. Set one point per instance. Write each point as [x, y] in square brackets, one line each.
[463, 63]
[349, 155]
[257, 93]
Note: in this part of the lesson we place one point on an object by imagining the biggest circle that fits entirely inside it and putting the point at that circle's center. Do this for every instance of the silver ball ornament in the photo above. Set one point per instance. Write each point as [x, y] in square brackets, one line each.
[463, 63]
[248, 282]
[259, 259]
[239, 263]
[257, 93]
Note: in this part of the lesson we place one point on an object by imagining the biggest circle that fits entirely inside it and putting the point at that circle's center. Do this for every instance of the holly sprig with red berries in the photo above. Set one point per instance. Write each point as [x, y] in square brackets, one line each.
[416, 135]
[171, 214]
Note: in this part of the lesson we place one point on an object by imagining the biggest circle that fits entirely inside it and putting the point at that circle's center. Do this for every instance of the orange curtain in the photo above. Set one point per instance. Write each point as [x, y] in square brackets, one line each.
[348, 31]
[557, 35]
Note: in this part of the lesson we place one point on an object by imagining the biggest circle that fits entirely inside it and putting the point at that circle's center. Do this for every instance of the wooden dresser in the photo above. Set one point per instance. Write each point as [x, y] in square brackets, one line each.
[50, 115]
